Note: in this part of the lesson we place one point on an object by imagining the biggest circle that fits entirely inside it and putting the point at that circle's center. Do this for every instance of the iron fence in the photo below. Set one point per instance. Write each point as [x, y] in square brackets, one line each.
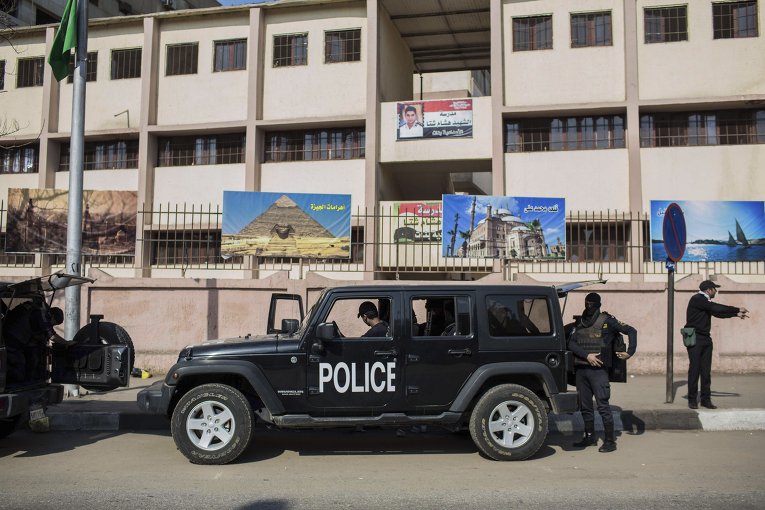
[186, 237]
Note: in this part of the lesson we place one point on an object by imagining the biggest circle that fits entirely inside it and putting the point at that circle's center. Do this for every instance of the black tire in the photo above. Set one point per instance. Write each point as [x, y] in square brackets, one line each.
[202, 444]
[7, 426]
[109, 333]
[509, 422]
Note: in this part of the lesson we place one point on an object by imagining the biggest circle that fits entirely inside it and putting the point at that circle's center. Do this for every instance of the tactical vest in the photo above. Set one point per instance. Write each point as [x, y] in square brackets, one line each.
[591, 339]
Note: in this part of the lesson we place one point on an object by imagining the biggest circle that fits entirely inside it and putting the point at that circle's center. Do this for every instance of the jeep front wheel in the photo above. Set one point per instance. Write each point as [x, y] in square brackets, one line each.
[509, 422]
[212, 424]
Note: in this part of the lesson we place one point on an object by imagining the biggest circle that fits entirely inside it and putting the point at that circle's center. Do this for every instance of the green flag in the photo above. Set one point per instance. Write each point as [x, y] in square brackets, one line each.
[65, 40]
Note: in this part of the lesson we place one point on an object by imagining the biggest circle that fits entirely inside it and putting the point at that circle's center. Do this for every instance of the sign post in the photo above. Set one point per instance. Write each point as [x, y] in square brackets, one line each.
[674, 236]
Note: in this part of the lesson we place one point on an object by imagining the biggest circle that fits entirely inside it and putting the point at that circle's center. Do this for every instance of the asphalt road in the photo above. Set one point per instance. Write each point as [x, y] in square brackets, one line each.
[376, 469]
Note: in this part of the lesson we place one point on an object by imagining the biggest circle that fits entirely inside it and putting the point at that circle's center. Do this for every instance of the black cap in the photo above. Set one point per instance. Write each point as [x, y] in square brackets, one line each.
[366, 308]
[708, 284]
[592, 297]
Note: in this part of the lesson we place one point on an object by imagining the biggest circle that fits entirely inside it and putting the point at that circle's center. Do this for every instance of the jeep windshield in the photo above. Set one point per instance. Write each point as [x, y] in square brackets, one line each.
[307, 319]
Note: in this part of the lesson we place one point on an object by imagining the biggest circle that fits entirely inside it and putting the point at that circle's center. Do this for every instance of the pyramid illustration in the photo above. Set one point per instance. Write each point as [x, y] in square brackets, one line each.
[285, 219]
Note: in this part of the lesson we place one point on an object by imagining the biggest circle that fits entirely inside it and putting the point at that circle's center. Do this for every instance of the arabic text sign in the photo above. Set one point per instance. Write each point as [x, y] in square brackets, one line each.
[447, 118]
[716, 231]
[520, 228]
[286, 224]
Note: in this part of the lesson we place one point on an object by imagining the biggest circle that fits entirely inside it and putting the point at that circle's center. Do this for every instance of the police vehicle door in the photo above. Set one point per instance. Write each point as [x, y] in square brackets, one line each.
[351, 373]
[442, 350]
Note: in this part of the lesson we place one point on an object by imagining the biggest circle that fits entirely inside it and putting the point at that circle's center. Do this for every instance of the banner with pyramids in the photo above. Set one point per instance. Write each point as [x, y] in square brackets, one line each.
[298, 225]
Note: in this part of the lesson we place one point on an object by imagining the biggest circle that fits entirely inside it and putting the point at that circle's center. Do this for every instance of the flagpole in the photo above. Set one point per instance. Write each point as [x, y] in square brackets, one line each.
[77, 152]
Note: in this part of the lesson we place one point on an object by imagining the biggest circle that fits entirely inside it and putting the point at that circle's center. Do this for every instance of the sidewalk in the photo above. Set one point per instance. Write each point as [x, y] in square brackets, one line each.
[637, 405]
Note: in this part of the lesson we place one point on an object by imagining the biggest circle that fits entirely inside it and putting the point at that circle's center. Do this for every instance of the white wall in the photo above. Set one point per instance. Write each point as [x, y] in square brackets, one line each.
[25, 104]
[334, 177]
[593, 180]
[124, 179]
[563, 74]
[105, 98]
[205, 96]
[316, 89]
[196, 185]
[477, 147]
[701, 66]
[396, 60]
[720, 172]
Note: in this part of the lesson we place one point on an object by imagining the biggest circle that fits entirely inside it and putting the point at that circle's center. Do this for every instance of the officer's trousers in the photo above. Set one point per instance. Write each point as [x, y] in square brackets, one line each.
[593, 382]
[700, 366]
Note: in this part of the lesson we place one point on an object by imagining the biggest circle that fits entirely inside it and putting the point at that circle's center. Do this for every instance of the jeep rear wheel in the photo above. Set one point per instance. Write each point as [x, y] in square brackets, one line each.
[509, 422]
[212, 424]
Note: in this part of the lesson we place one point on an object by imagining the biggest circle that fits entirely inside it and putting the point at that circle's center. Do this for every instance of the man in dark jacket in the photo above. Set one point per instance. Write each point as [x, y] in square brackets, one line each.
[699, 316]
[592, 342]
[371, 317]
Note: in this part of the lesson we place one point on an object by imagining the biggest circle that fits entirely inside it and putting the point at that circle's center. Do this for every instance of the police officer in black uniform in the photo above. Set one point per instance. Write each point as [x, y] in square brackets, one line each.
[592, 341]
[369, 314]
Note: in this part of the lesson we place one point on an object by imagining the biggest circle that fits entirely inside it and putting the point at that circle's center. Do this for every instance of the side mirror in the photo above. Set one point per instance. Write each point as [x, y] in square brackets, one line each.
[325, 331]
[289, 326]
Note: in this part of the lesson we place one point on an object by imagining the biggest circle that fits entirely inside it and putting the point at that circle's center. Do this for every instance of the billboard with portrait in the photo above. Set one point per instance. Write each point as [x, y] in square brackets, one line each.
[37, 221]
[716, 230]
[445, 118]
[301, 225]
[518, 228]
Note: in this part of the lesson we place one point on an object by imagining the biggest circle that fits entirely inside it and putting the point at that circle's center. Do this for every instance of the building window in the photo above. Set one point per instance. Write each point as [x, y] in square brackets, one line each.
[181, 59]
[30, 72]
[107, 155]
[201, 150]
[532, 33]
[2, 74]
[726, 127]
[342, 46]
[230, 55]
[290, 50]
[126, 64]
[666, 24]
[19, 160]
[92, 68]
[590, 240]
[315, 145]
[732, 20]
[564, 133]
[591, 29]
[197, 247]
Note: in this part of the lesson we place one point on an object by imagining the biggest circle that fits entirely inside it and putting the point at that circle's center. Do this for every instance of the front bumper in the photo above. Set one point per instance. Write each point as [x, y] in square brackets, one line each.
[156, 398]
[19, 402]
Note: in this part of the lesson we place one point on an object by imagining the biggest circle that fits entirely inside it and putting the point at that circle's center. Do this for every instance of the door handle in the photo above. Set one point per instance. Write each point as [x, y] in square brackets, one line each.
[391, 353]
[460, 352]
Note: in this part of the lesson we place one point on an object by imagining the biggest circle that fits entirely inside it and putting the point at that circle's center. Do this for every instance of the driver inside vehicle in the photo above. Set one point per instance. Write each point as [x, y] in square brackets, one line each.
[371, 317]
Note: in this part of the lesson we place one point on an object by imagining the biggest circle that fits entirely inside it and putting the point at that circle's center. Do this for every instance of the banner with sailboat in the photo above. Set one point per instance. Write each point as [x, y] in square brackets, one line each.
[717, 231]
[298, 225]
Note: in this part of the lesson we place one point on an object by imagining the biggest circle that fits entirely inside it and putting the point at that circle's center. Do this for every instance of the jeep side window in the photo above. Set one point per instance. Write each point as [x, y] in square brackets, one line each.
[440, 315]
[518, 316]
[346, 314]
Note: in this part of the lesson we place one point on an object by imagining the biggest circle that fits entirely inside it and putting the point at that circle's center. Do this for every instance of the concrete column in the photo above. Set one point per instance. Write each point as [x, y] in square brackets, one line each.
[632, 96]
[147, 144]
[255, 63]
[497, 105]
[372, 161]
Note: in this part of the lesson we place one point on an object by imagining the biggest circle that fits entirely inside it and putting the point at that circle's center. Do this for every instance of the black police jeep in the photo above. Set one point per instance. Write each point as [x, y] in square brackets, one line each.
[35, 362]
[491, 358]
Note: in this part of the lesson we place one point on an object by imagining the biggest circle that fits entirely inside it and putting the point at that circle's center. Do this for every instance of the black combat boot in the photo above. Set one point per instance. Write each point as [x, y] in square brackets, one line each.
[588, 439]
[609, 445]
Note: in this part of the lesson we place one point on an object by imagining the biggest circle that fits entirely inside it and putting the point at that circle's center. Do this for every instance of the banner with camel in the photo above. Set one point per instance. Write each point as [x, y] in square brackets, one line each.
[716, 230]
[298, 225]
[499, 227]
[37, 221]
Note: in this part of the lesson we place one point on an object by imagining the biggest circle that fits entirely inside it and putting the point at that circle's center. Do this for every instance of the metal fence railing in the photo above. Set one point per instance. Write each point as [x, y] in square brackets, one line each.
[186, 237]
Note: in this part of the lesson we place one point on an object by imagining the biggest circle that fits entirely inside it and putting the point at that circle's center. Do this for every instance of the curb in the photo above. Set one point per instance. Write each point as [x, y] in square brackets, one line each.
[630, 421]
